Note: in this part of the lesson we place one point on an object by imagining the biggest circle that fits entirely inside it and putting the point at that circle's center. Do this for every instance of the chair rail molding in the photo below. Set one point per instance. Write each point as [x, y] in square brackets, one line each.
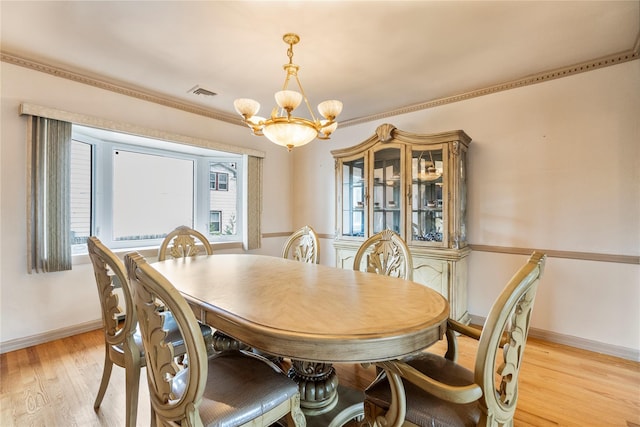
[551, 253]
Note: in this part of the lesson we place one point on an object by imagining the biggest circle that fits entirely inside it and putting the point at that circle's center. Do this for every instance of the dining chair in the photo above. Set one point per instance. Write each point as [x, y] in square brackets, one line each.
[183, 242]
[303, 245]
[317, 381]
[385, 253]
[388, 254]
[233, 388]
[441, 392]
[123, 345]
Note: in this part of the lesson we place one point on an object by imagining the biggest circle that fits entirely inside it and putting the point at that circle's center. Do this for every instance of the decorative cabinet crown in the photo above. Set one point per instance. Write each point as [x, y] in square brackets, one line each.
[413, 184]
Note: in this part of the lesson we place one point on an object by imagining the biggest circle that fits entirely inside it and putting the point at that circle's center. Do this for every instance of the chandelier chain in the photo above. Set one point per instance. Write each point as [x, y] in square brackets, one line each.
[290, 53]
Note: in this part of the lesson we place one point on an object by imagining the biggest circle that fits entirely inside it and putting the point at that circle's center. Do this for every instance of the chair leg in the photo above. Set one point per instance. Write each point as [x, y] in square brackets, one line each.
[104, 382]
[347, 415]
[296, 418]
[133, 384]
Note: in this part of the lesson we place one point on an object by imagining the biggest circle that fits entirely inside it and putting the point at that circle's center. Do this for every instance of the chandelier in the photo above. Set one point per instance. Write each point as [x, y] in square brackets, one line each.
[282, 128]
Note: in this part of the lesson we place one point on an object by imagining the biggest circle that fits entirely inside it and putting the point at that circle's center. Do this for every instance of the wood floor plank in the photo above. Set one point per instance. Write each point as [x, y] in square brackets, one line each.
[55, 384]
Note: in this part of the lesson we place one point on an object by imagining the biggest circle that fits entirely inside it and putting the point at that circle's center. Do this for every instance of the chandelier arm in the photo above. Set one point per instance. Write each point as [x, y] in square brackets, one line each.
[286, 79]
[278, 112]
[306, 101]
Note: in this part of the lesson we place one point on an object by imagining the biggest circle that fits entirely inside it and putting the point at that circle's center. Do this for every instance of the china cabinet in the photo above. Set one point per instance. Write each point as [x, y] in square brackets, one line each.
[415, 185]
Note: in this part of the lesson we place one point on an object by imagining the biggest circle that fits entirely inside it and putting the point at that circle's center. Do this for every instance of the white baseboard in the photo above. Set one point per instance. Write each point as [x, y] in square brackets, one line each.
[20, 343]
[576, 342]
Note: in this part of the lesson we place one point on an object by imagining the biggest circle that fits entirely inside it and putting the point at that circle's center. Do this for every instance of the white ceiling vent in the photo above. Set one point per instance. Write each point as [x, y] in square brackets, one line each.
[197, 90]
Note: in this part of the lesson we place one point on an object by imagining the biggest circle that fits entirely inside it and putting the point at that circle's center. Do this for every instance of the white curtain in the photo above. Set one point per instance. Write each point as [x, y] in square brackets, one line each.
[48, 195]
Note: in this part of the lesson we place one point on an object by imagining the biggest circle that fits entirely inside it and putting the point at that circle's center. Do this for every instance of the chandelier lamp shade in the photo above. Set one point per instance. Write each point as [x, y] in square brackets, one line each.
[282, 127]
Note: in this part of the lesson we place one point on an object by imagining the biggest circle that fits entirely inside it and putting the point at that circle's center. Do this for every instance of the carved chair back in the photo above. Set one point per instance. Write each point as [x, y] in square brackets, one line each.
[303, 246]
[121, 347]
[110, 275]
[162, 371]
[184, 242]
[385, 253]
[502, 342]
[438, 390]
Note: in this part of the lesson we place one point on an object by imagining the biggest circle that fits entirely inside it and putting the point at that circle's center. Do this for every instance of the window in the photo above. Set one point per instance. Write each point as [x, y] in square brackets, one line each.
[222, 198]
[218, 181]
[213, 181]
[132, 191]
[223, 181]
[164, 201]
[81, 196]
[214, 222]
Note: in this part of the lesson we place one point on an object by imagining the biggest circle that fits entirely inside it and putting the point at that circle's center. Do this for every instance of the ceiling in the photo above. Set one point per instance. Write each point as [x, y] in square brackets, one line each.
[374, 56]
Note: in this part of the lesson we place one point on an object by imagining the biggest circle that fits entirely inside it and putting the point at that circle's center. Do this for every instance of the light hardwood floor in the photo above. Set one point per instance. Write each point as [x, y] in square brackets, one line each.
[55, 384]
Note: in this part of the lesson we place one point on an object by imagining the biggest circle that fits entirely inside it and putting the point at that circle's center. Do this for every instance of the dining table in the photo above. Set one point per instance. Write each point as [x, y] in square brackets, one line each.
[315, 315]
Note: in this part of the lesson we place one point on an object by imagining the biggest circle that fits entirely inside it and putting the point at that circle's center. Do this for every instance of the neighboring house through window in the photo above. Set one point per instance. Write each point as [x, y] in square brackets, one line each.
[132, 191]
[223, 197]
[218, 181]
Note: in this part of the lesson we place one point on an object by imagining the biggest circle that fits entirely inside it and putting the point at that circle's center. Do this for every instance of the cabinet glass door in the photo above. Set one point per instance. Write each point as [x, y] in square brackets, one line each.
[461, 239]
[353, 201]
[427, 202]
[387, 190]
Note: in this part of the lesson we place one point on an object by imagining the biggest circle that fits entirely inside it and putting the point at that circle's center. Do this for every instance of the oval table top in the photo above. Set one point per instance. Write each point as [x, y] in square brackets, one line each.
[309, 311]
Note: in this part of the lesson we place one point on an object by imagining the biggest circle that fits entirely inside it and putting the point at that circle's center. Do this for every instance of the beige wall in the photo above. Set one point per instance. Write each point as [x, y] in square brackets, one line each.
[551, 166]
[35, 305]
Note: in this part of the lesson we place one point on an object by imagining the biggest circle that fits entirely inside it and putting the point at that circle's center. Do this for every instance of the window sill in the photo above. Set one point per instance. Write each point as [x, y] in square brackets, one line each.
[151, 252]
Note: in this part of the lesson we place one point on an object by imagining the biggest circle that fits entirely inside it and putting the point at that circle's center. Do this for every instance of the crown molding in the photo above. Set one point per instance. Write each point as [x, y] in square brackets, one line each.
[606, 61]
[117, 88]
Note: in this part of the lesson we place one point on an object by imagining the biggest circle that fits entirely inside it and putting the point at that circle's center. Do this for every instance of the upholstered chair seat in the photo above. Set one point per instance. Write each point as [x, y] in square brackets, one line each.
[229, 374]
[441, 412]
